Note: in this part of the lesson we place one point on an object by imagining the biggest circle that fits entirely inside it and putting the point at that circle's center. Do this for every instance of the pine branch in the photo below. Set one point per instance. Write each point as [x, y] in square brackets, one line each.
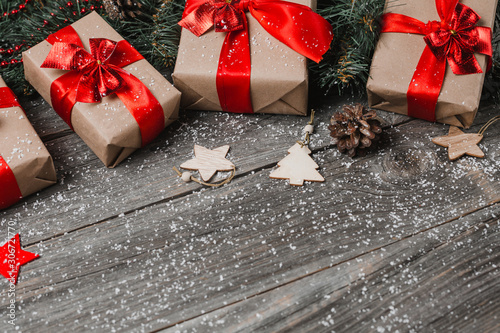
[153, 30]
[347, 63]
[491, 89]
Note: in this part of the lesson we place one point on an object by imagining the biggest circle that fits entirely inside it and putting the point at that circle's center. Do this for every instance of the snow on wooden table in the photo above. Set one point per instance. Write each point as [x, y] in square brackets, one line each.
[402, 240]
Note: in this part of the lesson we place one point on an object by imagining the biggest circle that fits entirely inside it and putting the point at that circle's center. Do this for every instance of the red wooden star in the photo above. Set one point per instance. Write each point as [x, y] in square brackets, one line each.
[12, 257]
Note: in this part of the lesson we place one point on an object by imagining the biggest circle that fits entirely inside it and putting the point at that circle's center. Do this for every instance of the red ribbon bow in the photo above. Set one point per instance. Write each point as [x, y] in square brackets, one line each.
[9, 189]
[454, 39]
[295, 25]
[98, 74]
[98, 78]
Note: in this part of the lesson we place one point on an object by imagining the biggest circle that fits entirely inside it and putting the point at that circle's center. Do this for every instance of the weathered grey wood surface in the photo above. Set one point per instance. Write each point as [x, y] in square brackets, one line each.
[401, 240]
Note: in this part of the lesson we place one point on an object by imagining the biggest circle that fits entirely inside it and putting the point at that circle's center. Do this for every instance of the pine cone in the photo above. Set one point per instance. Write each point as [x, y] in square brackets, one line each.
[354, 129]
[123, 9]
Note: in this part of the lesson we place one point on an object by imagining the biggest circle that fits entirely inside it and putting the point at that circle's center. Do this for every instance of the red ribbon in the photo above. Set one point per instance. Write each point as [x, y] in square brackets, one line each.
[294, 25]
[98, 74]
[9, 189]
[454, 39]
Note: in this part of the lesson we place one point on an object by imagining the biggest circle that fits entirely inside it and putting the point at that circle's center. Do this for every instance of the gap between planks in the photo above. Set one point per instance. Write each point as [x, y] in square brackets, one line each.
[188, 192]
[402, 239]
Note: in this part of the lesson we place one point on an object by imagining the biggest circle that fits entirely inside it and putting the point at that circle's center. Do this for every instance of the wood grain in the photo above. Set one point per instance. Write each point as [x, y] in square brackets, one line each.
[135, 249]
[425, 282]
[85, 187]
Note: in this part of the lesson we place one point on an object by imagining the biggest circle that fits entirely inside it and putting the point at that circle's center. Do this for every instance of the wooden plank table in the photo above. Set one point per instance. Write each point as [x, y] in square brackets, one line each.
[401, 240]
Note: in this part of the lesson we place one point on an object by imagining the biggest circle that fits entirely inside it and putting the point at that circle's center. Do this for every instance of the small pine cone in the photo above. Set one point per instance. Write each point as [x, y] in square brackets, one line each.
[354, 129]
[123, 9]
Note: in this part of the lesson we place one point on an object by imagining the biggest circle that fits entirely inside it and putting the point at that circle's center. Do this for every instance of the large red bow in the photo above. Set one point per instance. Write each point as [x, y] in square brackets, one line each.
[98, 74]
[295, 25]
[9, 189]
[454, 39]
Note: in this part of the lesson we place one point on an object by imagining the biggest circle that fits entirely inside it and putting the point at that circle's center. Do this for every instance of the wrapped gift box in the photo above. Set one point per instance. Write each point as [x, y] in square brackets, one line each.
[25, 164]
[397, 55]
[108, 127]
[278, 79]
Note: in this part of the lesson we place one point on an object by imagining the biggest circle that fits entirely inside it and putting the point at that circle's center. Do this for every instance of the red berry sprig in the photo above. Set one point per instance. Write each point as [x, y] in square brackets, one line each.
[10, 53]
[83, 10]
[16, 11]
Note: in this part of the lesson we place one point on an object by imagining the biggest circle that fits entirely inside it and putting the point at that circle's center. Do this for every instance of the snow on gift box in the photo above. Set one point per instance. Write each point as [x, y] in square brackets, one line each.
[254, 57]
[431, 59]
[25, 164]
[102, 87]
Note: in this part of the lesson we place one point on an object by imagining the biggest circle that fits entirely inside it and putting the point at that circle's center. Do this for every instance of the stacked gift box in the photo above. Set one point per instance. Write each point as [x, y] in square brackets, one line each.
[25, 164]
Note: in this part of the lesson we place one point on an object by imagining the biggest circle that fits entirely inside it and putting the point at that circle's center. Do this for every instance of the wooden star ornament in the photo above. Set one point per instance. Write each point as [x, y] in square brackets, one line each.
[209, 161]
[460, 143]
[12, 257]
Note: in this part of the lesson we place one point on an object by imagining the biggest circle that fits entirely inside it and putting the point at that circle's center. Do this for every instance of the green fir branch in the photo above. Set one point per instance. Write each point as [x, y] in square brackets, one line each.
[154, 32]
[355, 26]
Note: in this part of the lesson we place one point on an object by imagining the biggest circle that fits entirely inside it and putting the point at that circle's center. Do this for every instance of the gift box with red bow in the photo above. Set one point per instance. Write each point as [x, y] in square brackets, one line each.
[26, 166]
[431, 59]
[102, 88]
[248, 56]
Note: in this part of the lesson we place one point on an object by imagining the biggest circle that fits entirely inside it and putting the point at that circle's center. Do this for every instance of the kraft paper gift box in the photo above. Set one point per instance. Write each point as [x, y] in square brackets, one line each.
[278, 78]
[26, 166]
[397, 55]
[108, 127]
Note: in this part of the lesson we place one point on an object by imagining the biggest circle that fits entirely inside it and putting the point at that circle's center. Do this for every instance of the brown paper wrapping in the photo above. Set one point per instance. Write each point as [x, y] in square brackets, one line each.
[107, 128]
[278, 80]
[396, 57]
[24, 152]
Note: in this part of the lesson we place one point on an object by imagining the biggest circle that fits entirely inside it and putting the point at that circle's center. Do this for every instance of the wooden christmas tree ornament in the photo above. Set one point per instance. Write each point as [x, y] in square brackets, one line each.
[207, 162]
[460, 143]
[298, 166]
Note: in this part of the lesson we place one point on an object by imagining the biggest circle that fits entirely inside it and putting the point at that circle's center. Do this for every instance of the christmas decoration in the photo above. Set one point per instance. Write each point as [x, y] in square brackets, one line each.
[355, 29]
[25, 164]
[165, 33]
[12, 257]
[298, 166]
[278, 81]
[207, 162]
[144, 106]
[120, 9]
[154, 33]
[413, 86]
[460, 143]
[354, 129]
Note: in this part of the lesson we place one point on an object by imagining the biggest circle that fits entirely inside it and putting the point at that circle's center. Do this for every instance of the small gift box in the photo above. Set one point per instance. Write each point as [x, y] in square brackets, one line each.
[102, 88]
[254, 57]
[431, 59]
[25, 164]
